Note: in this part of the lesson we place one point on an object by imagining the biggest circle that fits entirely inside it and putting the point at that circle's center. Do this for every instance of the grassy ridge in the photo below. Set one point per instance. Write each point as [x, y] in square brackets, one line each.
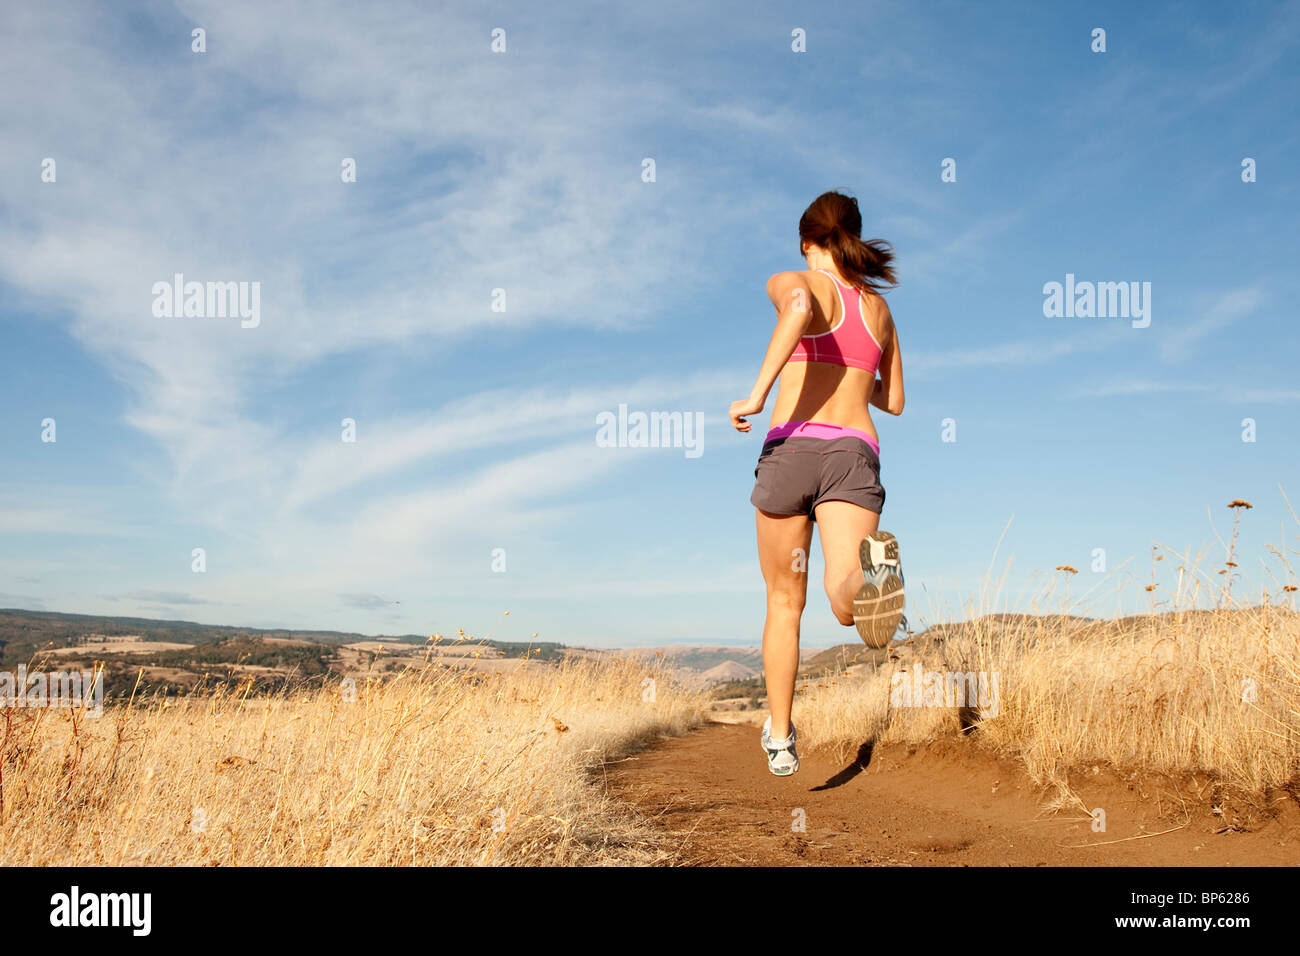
[1216, 692]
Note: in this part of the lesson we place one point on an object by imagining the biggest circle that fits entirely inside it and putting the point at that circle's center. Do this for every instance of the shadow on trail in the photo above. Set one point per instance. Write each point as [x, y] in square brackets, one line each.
[859, 764]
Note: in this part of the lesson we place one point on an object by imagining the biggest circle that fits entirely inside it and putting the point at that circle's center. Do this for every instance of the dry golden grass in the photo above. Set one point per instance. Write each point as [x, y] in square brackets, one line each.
[434, 767]
[1166, 697]
[1178, 690]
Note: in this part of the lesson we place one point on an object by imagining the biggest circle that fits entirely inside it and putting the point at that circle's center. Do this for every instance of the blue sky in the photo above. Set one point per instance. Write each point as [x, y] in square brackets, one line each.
[522, 171]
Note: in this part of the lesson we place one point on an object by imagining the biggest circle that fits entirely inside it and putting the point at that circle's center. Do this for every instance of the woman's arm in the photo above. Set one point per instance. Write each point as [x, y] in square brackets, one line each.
[888, 393]
[792, 298]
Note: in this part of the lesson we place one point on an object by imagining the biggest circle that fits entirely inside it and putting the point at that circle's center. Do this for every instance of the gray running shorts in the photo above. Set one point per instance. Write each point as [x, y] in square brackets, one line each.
[795, 475]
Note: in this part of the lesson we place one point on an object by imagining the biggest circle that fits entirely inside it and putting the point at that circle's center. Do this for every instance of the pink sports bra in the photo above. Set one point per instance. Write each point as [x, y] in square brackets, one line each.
[850, 343]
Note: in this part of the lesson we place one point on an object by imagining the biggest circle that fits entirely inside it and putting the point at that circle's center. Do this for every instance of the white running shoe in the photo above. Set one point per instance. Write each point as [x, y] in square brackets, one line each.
[782, 759]
[878, 605]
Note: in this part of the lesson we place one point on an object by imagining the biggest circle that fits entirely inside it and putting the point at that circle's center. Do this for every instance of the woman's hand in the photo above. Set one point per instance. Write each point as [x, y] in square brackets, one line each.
[746, 406]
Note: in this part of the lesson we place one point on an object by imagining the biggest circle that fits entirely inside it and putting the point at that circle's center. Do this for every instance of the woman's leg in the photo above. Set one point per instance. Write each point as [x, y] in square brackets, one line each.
[783, 542]
[842, 526]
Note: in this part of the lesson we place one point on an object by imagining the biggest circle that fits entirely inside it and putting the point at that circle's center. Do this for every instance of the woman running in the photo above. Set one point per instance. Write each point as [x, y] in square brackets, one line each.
[820, 462]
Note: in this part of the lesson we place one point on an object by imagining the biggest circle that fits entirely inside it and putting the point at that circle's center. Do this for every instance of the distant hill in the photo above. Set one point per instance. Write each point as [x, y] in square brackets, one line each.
[23, 633]
[708, 665]
[176, 654]
[842, 656]
[698, 658]
[1081, 628]
[728, 671]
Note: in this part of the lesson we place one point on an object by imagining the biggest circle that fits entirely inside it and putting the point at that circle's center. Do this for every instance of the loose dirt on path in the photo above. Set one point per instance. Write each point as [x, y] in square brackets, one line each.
[950, 804]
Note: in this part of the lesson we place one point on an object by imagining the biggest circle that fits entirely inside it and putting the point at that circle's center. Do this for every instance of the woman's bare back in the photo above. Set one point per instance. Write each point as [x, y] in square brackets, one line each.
[821, 392]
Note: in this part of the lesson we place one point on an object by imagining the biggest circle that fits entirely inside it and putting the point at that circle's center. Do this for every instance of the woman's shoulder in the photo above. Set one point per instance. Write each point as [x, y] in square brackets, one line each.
[781, 283]
[793, 275]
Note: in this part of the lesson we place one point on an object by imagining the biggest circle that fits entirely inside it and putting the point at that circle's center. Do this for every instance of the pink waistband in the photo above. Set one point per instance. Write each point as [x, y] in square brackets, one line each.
[820, 430]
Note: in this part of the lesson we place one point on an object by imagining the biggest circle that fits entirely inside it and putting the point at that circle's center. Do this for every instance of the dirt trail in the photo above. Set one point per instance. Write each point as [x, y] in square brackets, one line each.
[946, 805]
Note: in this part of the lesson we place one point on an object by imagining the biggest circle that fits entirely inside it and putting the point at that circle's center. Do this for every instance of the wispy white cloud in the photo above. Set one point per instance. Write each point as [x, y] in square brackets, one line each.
[1267, 396]
[492, 196]
[68, 518]
[1237, 396]
[488, 420]
[974, 245]
[1018, 352]
[1177, 341]
[1130, 388]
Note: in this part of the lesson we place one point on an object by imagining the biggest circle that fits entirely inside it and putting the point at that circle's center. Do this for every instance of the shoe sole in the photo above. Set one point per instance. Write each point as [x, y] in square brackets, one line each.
[878, 605]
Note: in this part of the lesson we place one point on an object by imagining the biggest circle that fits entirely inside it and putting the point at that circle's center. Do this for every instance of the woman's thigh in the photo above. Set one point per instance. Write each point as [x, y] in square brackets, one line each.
[842, 526]
[783, 542]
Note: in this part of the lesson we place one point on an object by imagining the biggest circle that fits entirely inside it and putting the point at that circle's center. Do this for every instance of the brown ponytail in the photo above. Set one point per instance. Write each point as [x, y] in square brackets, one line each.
[834, 223]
